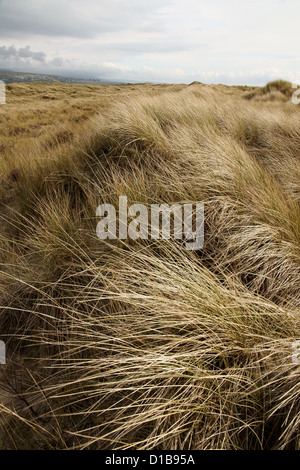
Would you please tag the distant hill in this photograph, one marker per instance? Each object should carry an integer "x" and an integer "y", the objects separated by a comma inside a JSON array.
[{"x": 8, "y": 76}]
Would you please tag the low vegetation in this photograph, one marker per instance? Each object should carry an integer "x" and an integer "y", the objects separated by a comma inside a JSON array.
[{"x": 142, "y": 344}]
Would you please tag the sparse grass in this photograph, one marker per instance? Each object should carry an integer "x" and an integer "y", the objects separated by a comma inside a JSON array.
[{"x": 144, "y": 345}]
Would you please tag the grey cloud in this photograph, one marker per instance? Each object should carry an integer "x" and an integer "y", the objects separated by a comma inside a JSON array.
[
  {"x": 27, "y": 53},
  {"x": 57, "y": 62},
  {"x": 9, "y": 53},
  {"x": 74, "y": 18}
]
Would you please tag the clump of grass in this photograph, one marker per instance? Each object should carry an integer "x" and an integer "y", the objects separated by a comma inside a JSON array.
[
  {"x": 277, "y": 90},
  {"x": 194, "y": 370}
]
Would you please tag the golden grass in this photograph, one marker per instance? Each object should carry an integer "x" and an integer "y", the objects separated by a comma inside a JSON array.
[{"x": 143, "y": 344}]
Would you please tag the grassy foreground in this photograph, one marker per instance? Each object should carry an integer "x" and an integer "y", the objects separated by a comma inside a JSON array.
[{"x": 144, "y": 345}]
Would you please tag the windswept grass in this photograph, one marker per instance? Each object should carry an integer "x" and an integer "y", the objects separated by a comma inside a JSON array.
[
  {"x": 278, "y": 90},
  {"x": 144, "y": 345}
]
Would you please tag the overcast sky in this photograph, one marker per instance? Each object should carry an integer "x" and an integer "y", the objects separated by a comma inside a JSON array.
[{"x": 214, "y": 41}]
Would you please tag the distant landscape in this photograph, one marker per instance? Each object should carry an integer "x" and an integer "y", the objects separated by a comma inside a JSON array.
[{"x": 20, "y": 77}]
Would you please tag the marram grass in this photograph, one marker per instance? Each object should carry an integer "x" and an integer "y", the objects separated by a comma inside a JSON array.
[{"x": 144, "y": 345}]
